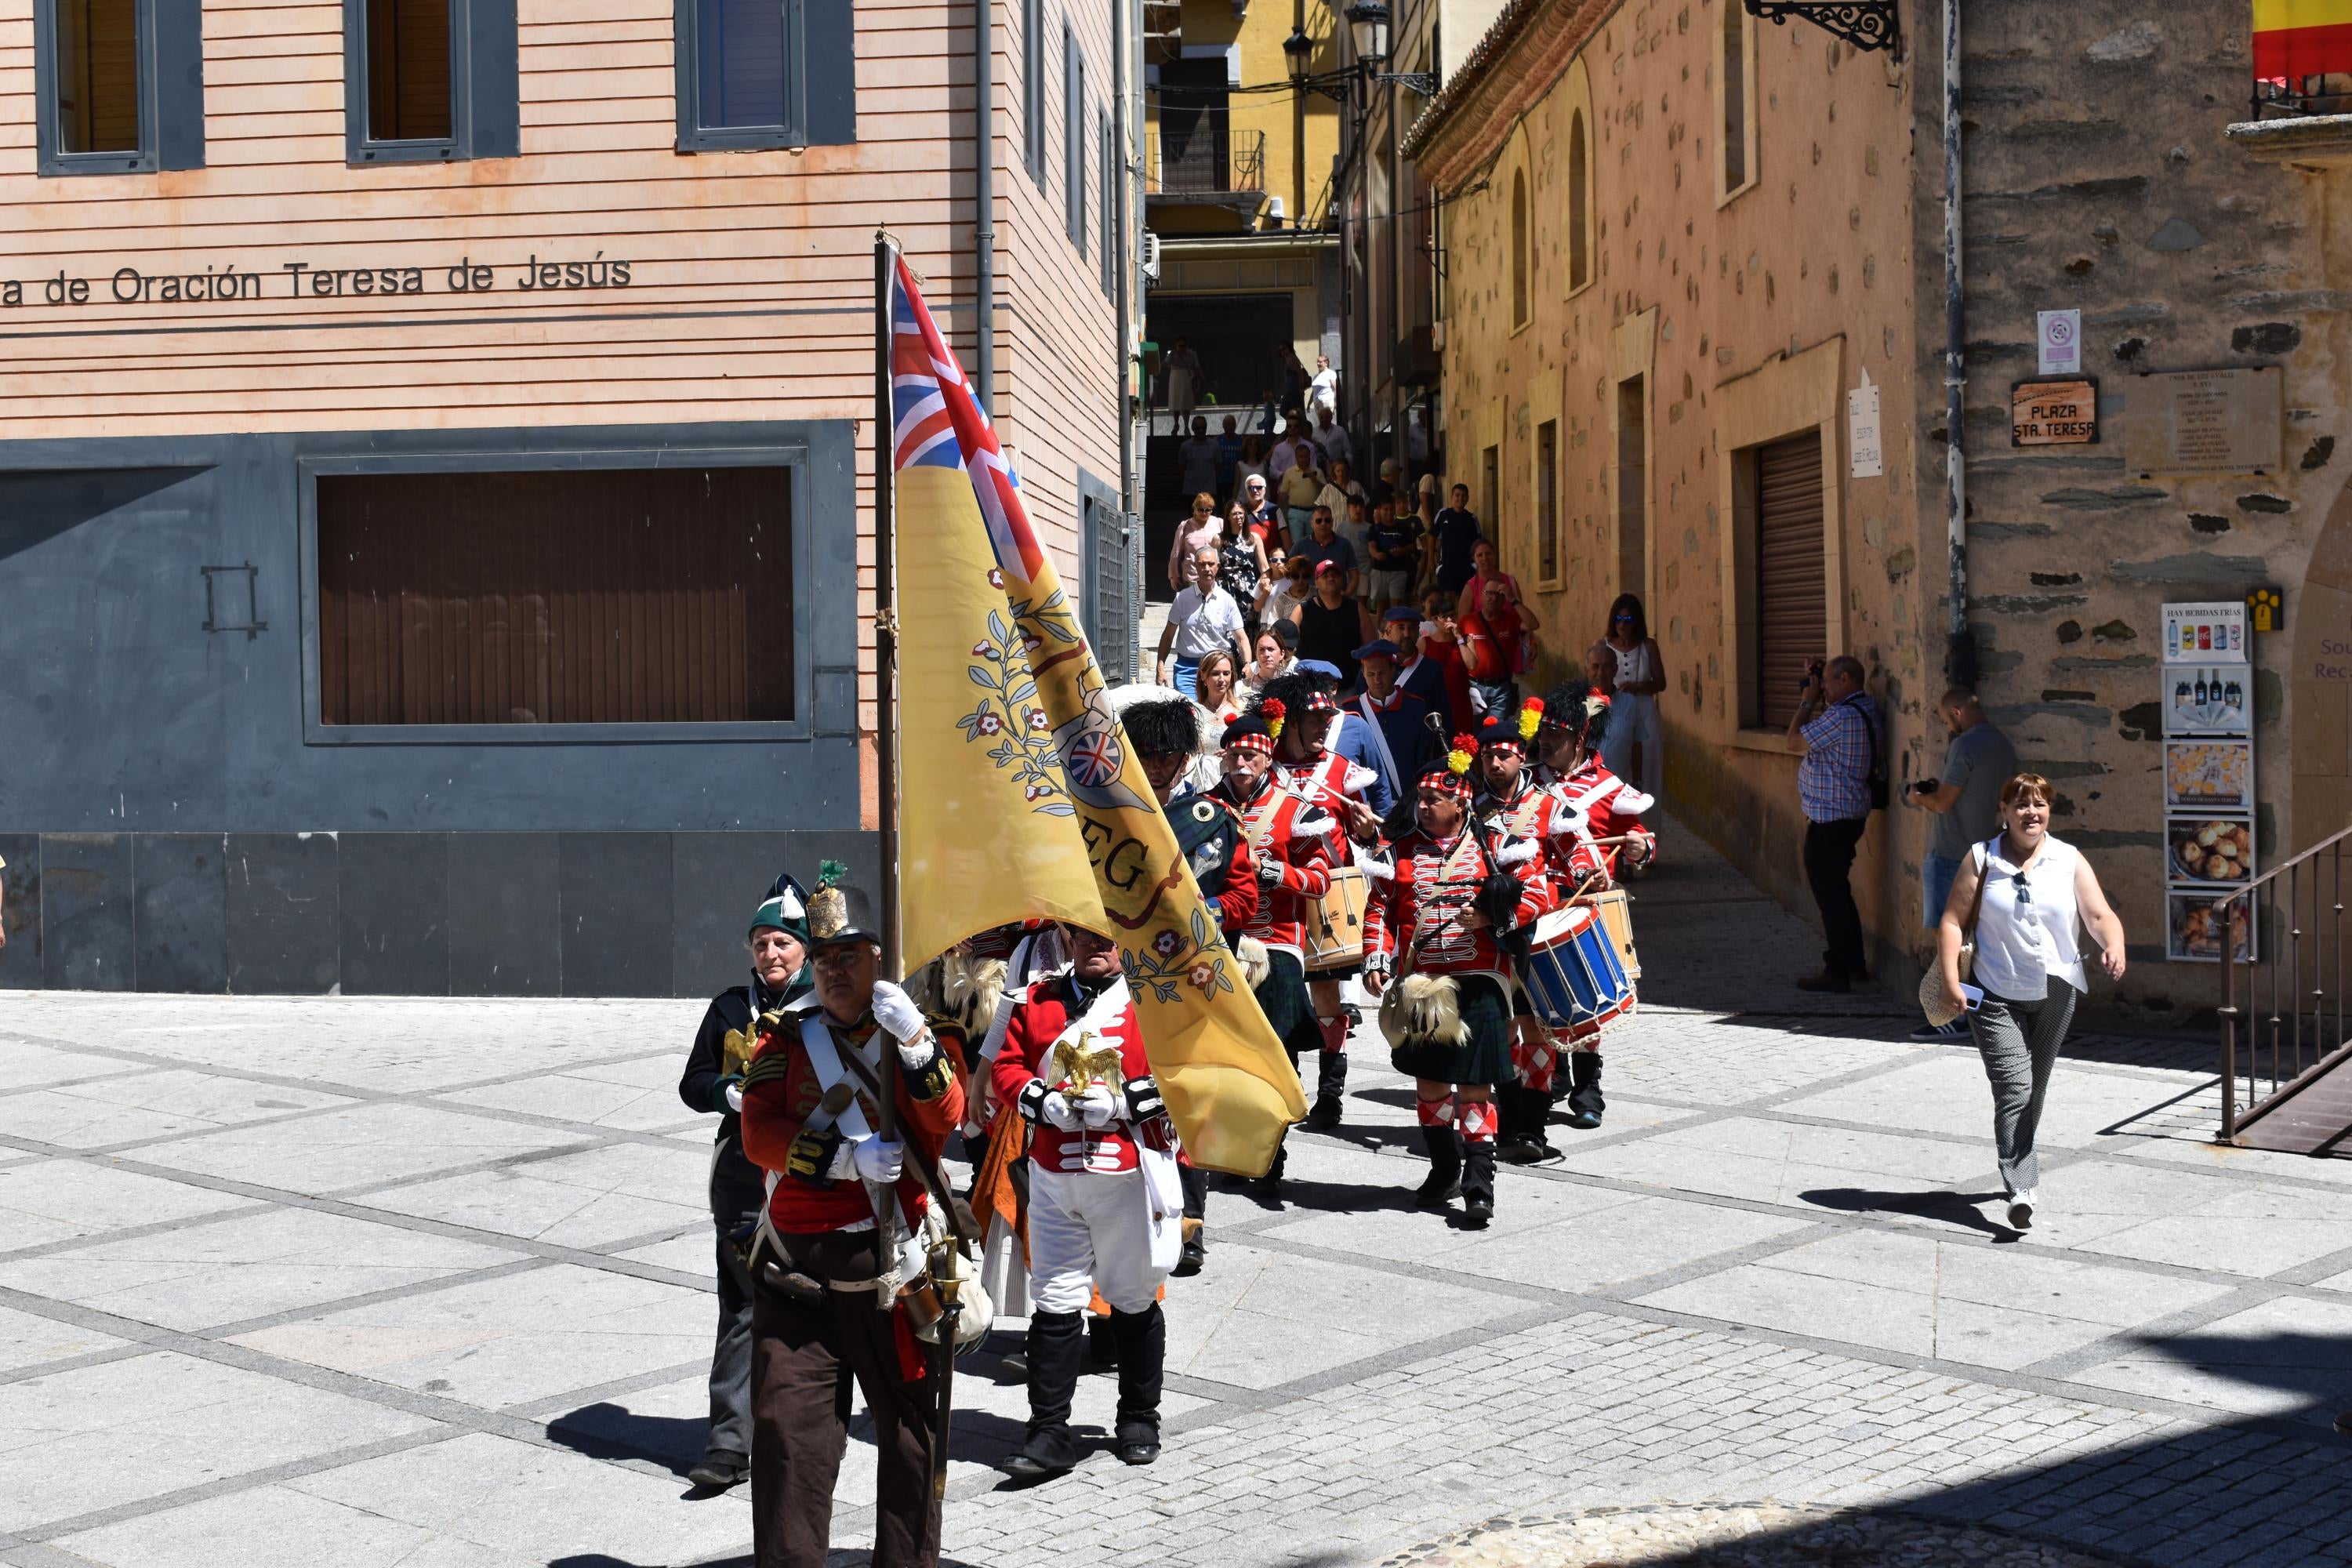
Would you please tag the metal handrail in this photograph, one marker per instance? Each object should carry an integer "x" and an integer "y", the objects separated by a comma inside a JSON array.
[
  {"x": 2252, "y": 927},
  {"x": 1214, "y": 160}
]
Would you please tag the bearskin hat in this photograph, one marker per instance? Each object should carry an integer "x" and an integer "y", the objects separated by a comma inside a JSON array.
[
  {"x": 1161, "y": 720},
  {"x": 1299, "y": 691},
  {"x": 1573, "y": 708}
]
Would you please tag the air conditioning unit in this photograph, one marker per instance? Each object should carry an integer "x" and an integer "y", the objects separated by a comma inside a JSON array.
[{"x": 1150, "y": 257}]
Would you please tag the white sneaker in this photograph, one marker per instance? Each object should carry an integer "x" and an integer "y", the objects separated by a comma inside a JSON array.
[{"x": 2020, "y": 1210}]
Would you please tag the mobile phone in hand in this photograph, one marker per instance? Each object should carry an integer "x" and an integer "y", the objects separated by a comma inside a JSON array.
[
  {"x": 1925, "y": 786},
  {"x": 1971, "y": 994}
]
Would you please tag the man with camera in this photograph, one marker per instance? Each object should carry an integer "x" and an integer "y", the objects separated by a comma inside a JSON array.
[{"x": 1839, "y": 781}]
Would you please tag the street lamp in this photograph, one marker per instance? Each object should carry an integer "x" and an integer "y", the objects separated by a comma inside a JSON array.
[
  {"x": 1298, "y": 51},
  {"x": 1367, "y": 24}
]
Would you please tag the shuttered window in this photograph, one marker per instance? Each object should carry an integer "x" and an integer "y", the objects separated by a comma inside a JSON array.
[
  {"x": 598, "y": 596},
  {"x": 429, "y": 81},
  {"x": 754, "y": 75},
  {"x": 117, "y": 86},
  {"x": 1792, "y": 621},
  {"x": 409, "y": 87}
]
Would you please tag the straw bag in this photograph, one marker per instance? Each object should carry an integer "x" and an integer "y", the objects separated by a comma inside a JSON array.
[{"x": 1931, "y": 985}]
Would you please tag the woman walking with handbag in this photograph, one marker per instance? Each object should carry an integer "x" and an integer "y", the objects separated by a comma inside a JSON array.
[{"x": 2009, "y": 936}]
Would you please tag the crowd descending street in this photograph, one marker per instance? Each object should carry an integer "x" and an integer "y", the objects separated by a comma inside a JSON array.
[{"x": 335, "y": 1280}]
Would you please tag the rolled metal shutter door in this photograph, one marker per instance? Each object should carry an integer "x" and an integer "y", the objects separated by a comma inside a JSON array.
[{"x": 1791, "y": 587}]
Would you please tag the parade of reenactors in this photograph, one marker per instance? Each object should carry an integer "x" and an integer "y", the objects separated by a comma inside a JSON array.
[{"x": 1477, "y": 932}]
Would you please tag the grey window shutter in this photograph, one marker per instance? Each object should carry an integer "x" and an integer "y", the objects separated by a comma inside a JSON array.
[
  {"x": 179, "y": 84},
  {"x": 830, "y": 38},
  {"x": 494, "y": 97}
]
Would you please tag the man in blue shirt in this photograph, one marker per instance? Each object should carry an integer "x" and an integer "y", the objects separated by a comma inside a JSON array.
[
  {"x": 1838, "y": 724},
  {"x": 1456, "y": 534}
]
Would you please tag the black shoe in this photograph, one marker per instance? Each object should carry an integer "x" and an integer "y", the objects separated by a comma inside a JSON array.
[
  {"x": 1584, "y": 1120},
  {"x": 1825, "y": 981},
  {"x": 1142, "y": 1351},
  {"x": 1438, "y": 1189},
  {"x": 1323, "y": 1117},
  {"x": 1188, "y": 1259},
  {"x": 1477, "y": 1183},
  {"x": 720, "y": 1470},
  {"x": 1523, "y": 1151},
  {"x": 1444, "y": 1183},
  {"x": 1138, "y": 1450},
  {"x": 1049, "y": 1453},
  {"x": 1477, "y": 1210}
]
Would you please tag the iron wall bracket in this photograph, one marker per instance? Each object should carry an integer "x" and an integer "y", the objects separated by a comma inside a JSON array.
[{"x": 1864, "y": 24}]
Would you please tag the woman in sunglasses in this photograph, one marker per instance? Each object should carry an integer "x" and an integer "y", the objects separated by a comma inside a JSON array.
[
  {"x": 2023, "y": 898},
  {"x": 1636, "y": 750}
]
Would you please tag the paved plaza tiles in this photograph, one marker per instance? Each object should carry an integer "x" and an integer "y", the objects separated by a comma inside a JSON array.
[{"x": 374, "y": 1282}]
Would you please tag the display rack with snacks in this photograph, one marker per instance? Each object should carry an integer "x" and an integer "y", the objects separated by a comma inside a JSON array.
[{"x": 2207, "y": 697}]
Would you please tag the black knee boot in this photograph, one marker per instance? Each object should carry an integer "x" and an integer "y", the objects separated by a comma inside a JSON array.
[
  {"x": 1445, "y": 1182},
  {"x": 1522, "y": 1112},
  {"x": 1478, "y": 1180},
  {"x": 1142, "y": 1348},
  {"x": 1584, "y": 1102},
  {"x": 1330, "y": 1091},
  {"x": 1056, "y": 1343},
  {"x": 1195, "y": 1183}
]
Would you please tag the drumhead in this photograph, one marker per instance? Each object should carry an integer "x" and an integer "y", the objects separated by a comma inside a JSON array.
[{"x": 1562, "y": 924}]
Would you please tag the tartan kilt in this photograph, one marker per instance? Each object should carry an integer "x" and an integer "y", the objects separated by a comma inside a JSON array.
[
  {"x": 1289, "y": 1010},
  {"x": 1483, "y": 1058}
]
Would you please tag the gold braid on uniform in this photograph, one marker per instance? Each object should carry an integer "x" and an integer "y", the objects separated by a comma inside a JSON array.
[
  {"x": 932, "y": 1080},
  {"x": 768, "y": 1066}
]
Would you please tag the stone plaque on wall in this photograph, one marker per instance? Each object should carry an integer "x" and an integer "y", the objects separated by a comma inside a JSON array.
[{"x": 2205, "y": 421}]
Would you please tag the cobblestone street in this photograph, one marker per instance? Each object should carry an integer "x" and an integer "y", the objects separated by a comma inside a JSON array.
[{"x": 363, "y": 1282}]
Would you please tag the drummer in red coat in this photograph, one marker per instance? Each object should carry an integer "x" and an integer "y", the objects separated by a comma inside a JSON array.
[
  {"x": 1105, "y": 1206},
  {"x": 1443, "y": 900},
  {"x": 1511, "y": 802},
  {"x": 1612, "y": 838}
]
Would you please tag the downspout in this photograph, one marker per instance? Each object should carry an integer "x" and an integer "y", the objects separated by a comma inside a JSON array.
[
  {"x": 983, "y": 198},
  {"x": 1960, "y": 658},
  {"x": 1399, "y": 447},
  {"x": 1124, "y": 249}
]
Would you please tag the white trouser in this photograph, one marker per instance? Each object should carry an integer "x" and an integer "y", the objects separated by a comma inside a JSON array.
[
  {"x": 1091, "y": 1229},
  {"x": 1633, "y": 718}
]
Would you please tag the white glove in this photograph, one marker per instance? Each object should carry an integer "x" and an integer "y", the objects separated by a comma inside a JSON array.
[
  {"x": 1099, "y": 1106},
  {"x": 878, "y": 1162},
  {"x": 1269, "y": 870},
  {"x": 895, "y": 1011},
  {"x": 735, "y": 1097},
  {"x": 1058, "y": 1110}
]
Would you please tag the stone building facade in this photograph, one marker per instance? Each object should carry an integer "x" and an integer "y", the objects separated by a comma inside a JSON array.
[{"x": 1679, "y": 242}]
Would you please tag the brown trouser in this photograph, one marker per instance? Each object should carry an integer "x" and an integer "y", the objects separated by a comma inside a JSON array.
[{"x": 800, "y": 1413}]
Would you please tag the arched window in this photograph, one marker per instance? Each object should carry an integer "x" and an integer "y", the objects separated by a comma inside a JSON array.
[
  {"x": 1734, "y": 67},
  {"x": 1519, "y": 248},
  {"x": 1579, "y": 205}
]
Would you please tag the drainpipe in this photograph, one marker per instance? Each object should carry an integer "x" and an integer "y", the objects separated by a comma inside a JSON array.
[
  {"x": 1123, "y": 245},
  {"x": 983, "y": 197},
  {"x": 1960, "y": 659}
]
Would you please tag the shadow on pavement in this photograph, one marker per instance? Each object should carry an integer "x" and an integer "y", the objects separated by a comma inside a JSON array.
[
  {"x": 1952, "y": 1208},
  {"x": 606, "y": 1431}
]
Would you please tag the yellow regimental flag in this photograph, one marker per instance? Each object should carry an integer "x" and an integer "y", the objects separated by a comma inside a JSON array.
[
  {"x": 1227, "y": 1083},
  {"x": 986, "y": 834}
]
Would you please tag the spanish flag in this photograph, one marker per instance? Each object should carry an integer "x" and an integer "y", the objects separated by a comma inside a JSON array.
[
  {"x": 1026, "y": 800},
  {"x": 2296, "y": 38}
]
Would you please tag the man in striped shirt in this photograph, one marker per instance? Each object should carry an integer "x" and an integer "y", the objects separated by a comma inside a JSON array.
[{"x": 1838, "y": 724}]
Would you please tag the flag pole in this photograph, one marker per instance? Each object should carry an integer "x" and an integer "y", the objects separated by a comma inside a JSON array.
[{"x": 885, "y": 621}]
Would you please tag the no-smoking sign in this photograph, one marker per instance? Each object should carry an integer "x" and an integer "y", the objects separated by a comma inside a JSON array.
[{"x": 2060, "y": 341}]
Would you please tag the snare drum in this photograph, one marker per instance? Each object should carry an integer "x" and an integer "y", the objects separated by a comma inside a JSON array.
[
  {"x": 1573, "y": 976},
  {"x": 1617, "y": 915},
  {"x": 1335, "y": 927}
]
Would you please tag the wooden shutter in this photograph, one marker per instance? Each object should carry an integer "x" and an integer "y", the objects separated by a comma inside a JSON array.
[
  {"x": 1793, "y": 622},
  {"x": 580, "y": 596}
]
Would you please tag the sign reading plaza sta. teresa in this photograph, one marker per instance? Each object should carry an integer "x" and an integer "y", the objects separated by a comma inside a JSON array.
[{"x": 301, "y": 280}]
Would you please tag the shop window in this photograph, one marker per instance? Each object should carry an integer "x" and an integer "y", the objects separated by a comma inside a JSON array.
[
  {"x": 1791, "y": 572},
  {"x": 430, "y": 82},
  {"x": 119, "y": 86},
  {"x": 1580, "y": 203},
  {"x": 1074, "y": 139},
  {"x": 763, "y": 74},
  {"x": 1519, "y": 248},
  {"x": 584, "y": 596},
  {"x": 1547, "y": 503},
  {"x": 1032, "y": 89},
  {"x": 1735, "y": 74}
]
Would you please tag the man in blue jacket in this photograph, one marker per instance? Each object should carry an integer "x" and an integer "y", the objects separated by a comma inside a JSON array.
[{"x": 1391, "y": 719}]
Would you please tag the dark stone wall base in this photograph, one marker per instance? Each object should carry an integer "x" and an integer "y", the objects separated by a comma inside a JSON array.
[{"x": 413, "y": 914}]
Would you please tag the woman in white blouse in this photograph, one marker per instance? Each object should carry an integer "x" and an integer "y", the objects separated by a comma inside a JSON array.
[{"x": 2024, "y": 897}]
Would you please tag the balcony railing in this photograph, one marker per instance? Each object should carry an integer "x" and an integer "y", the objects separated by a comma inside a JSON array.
[
  {"x": 1213, "y": 159},
  {"x": 2284, "y": 997}
]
